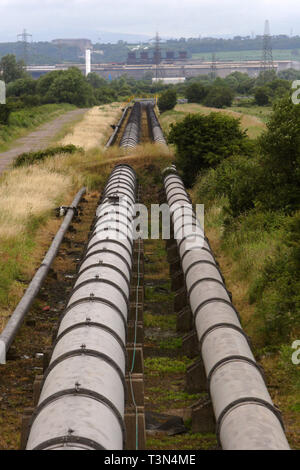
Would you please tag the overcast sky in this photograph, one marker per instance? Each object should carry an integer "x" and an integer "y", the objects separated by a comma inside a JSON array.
[{"x": 49, "y": 19}]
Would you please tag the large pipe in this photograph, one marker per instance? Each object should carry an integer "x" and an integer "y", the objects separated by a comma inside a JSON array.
[
  {"x": 14, "y": 323},
  {"x": 83, "y": 393},
  {"x": 132, "y": 133},
  {"x": 154, "y": 126},
  {"x": 245, "y": 414}
]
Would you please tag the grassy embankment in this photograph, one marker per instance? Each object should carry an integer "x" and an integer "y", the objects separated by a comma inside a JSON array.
[
  {"x": 25, "y": 120},
  {"x": 253, "y": 119},
  {"x": 244, "y": 249}
]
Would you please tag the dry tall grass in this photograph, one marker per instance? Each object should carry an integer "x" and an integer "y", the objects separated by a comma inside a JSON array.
[
  {"x": 28, "y": 196},
  {"x": 94, "y": 129}
]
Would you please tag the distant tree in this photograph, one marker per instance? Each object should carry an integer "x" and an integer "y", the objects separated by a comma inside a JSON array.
[
  {"x": 45, "y": 81},
  {"x": 95, "y": 80},
  {"x": 278, "y": 88},
  {"x": 71, "y": 87},
  {"x": 106, "y": 95},
  {"x": 167, "y": 100},
  {"x": 22, "y": 86},
  {"x": 195, "y": 92},
  {"x": 219, "y": 97},
  {"x": 262, "y": 96},
  {"x": 265, "y": 77},
  {"x": 289, "y": 74},
  {"x": 10, "y": 69}
]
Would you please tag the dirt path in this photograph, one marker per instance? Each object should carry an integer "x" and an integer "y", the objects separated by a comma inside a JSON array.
[{"x": 38, "y": 139}]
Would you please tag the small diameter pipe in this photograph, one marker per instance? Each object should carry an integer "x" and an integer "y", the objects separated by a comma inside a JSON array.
[
  {"x": 113, "y": 137},
  {"x": 14, "y": 323}
]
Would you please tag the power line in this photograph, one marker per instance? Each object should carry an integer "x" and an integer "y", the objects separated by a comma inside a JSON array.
[
  {"x": 213, "y": 68},
  {"x": 267, "y": 63},
  {"x": 157, "y": 57},
  {"x": 23, "y": 37}
]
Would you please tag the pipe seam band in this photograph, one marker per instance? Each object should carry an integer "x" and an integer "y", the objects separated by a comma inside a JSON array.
[
  {"x": 181, "y": 207},
  {"x": 205, "y": 279},
  {"x": 215, "y": 299},
  {"x": 177, "y": 202},
  {"x": 98, "y": 224},
  {"x": 182, "y": 215},
  {"x": 92, "y": 324},
  {"x": 223, "y": 325},
  {"x": 203, "y": 261},
  {"x": 116, "y": 193},
  {"x": 82, "y": 392},
  {"x": 100, "y": 300},
  {"x": 189, "y": 224},
  {"x": 104, "y": 201},
  {"x": 100, "y": 281},
  {"x": 85, "y": 352},
  {"x": 116, "y": 188},
  {"x": 180, "y": 194},
  {"x": 69, "y": 440},
  {"x": 245, "y": 401},
  {"x": 194, "y": 235},
  {"x": 196, "y": 249},
  {"x": 104, "y": 265},
  {"x": 232, "y": 358},
  {"x": 96, "y": 232},
  {"x": 130, "y": 220},
  {"x": 105, "y": 250}
]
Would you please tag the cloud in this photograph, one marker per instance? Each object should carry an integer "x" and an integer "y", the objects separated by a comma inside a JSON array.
[{"x": 47, "y": 19}]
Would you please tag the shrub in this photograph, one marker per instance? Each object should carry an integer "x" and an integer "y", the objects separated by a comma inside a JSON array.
[
  {"x": 262, "y": 96},
  {"x": 167, "y": 100},
  {"x": 280, "y": 158},
  {"x": 195, "y": 92},
  {"x": 277, "y": 290},
  {"x": 204, "y": 141},
  {"x": 33, "y": 157},
  {"x": 5, "y": 111},
  {"x": 237, "y": 179},
  {"x": 219, "y": 97}
]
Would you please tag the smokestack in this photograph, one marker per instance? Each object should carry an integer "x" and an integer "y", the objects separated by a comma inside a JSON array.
[{"x": 88, "y": 67}]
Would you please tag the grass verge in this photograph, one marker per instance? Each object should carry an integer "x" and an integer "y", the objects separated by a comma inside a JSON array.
[{"x": 25, "y": 120}]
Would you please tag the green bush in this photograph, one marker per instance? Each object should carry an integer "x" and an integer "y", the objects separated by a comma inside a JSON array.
[
  {"x": 277, "y": 289},
  {"x": 195, "y": 93},
  {"x": 5, "y": 111},
  {"x": 280, "y": 158},
  {"x": 219, "y": 97},
  {"x": 71, "y": 87},
  {"x": 167, "y": 100},
  {"x": 262, "y": 96},
  {"x": 33, "y": 157},
  {"x": 204, "y": 141},
  {"x": 236, "y": 179}
]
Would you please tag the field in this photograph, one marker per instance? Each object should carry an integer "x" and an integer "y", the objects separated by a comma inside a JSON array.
[
  {"x": 278, "y": 54},
  {"x": 252, "y": 119}
]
